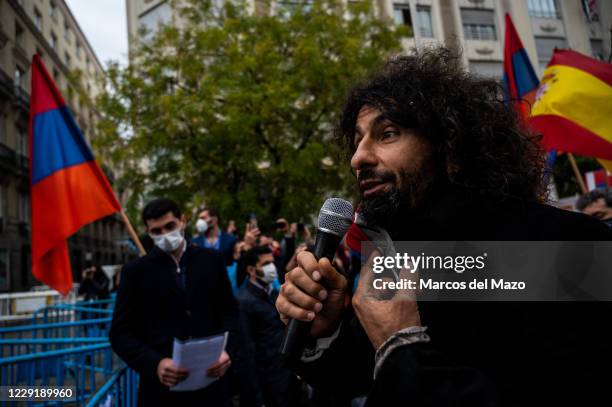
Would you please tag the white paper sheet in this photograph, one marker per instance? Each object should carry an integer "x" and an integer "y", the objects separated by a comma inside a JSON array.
[{"x": 197, "y": 355}]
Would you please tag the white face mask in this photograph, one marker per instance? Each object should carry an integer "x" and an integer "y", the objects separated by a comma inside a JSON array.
[
  {"x": 201, "y": 226},
  {"x": 170, "y": 241},
  {"x": 268, "y": 273}
]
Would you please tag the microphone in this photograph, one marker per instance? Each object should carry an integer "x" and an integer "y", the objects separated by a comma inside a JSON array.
[{"x": 335, "y": 218}]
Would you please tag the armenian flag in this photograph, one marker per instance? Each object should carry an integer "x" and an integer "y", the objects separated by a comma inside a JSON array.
[
  {"x": 68, "y": 187},
  {"x": 520, "y": 81},
  {"x": 573, "y": 107}
]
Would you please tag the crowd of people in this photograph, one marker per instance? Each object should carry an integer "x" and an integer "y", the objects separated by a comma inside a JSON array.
[
  {"x": 249, "y": 269},
  {"x": 438, "y": 156}
]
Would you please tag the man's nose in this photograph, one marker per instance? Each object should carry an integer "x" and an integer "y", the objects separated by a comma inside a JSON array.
[{"x": 364, "y": 155}]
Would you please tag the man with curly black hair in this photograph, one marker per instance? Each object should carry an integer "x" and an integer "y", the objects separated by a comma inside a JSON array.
[{"x": 439, "y": 155}]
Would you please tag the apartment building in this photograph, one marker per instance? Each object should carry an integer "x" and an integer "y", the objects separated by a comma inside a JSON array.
[{"x": 46, "y": 27}]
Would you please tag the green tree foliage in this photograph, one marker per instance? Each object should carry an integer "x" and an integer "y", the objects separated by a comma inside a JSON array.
[{"x": 237, "y": 107}]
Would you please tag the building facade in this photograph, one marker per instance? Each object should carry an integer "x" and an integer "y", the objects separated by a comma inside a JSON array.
[
  {"x": 474, "y": 26},
  {"x": 46, "y": 27},
  {"x": 477, "y": 28}
]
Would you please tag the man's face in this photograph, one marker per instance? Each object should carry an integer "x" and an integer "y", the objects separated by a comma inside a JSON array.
[
  {"x": 262, "y": 261},
  {"x": 210, "y": 220},
  {"x": 393, "y": 165},
  {"x": 598, "y": 209},
  {"x": 164, "y": 224}
]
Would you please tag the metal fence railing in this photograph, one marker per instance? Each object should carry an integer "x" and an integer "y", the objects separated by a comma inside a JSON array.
[
  {"x": 66, "y": 344},
  {"x": 120, "y": 390}
]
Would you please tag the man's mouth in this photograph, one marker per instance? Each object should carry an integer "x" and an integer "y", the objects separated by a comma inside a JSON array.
[{"x": 370, "y": 188}]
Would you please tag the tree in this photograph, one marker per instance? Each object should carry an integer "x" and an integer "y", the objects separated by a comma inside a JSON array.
[{"x": 237, "y": 109}]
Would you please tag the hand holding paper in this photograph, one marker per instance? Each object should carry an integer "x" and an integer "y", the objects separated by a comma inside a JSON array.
[{"x": 205, "y": 359}]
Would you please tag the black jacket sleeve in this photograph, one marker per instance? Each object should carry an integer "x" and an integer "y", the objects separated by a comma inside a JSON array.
[
  {"x": 418, "y": 375},
  {"x": 123, "y": 333},
  {"x": 343, "y": 371}
]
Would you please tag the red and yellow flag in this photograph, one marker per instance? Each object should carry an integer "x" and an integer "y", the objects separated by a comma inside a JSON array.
[{"x": 573, "y": 107}]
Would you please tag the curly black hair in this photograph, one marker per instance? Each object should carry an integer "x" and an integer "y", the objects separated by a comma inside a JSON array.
[{"x": 478, "y": 139}]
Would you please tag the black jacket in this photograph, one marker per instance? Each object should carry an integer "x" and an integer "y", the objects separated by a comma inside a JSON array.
[
  {"x": 264, "y": 374},
  {"x": 482, "y": 354},
  {"x": 152, "y": 309}
]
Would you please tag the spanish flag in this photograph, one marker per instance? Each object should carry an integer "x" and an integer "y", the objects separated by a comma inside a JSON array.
[
  {"x": 573, "y": 107},
  {"x": 68, "y": 188}
]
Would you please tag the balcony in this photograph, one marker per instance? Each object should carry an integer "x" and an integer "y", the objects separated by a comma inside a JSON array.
[
  {"x": 17, "y": 94},
  {"x": 14, "y": 163}
]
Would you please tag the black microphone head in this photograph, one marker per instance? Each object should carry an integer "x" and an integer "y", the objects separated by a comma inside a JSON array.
[{"x": 335, "y": 216}]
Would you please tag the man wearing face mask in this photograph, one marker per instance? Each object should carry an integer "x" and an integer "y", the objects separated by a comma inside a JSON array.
[
  {"x": 211, "y": 236},
  {"x": 175, "y": 291},
  {"x": 266, "y": 379}
]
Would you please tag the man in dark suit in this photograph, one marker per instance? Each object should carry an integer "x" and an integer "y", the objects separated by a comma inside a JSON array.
[
  {"x": 438, "y": 155},
  {"x": 211, "y": 235},
  {"x": 175, "y": 291},
  {"x": 266, "y": 378}
]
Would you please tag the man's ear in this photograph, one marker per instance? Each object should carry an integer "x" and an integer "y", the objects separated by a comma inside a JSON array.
[
  {"x": 184, "y": 219},
  {"x": 251, "y": 270}
]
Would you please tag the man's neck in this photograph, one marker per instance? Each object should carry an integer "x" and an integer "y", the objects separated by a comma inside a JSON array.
[
  {"x": 259, "y": 283},
  {"x": 178, "y": 253},
  {"x": 213, "y": 232}
]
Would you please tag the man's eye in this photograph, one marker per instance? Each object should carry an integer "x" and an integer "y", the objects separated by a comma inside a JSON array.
[{"x": 389, "y": 133}]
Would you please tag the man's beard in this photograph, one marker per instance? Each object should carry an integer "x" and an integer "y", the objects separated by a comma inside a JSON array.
[{"x": 384, "y": 208}]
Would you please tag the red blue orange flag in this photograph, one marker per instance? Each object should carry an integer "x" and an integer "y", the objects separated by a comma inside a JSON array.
[
  {"x": 68, "y": 187},
  {"x": 520, "y": 81}
]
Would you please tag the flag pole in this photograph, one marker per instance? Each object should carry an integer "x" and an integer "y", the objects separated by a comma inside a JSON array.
[
  {"x": 572, "y": 160},
  {"x": 132, "y": 233}
]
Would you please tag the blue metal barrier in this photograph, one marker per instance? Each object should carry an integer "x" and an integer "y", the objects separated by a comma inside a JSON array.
[
  {"x": 60, "y": 329},
  {"x": 120, "y": 390},
  {"x": 82, "y": 367},
  {"x": 67, "y": 345}
]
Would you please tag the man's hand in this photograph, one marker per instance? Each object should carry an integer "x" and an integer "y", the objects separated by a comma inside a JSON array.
[
  {"x": 384, "y": 312},
  {"x": 218, "y": 369},
  {"x": 169, "y": 374},
  {"x": 313, "y": 291},
  {"x": 250, "y": 236}
]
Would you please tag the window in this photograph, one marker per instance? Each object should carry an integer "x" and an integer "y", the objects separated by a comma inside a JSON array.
[
  {"x": 38, "y": 19},
  {"x": 2, "y": 133},
  {"x": 401, "y": 15},
  {"x": 154, "y": 18},
  {"x": 478, "y": 24},
  {"x": 67, "y": 60},
  {"x": 78, "y": 50},
  {"x": 22, "y": 141},
  {"x": 67, "y": 33},
  {"x": 597, "y": 50},
  {"x": 285, "y": 8},
  {"x": 424, "y": 21},
  {"x": 53, "y": 11},
  {"x": 19, "y": 35},
  {"x": 546, "y": 46},
  {"x": 543, "y": 9},
  {"x": 24, "y": 208},
  {"x": 53, "y": 41},
  {"x": 489, "y": 69},
  {"x": 19, "y": 76},
  {"x": 590, "y": 10},
  {"x": 4, "y": 269}
]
